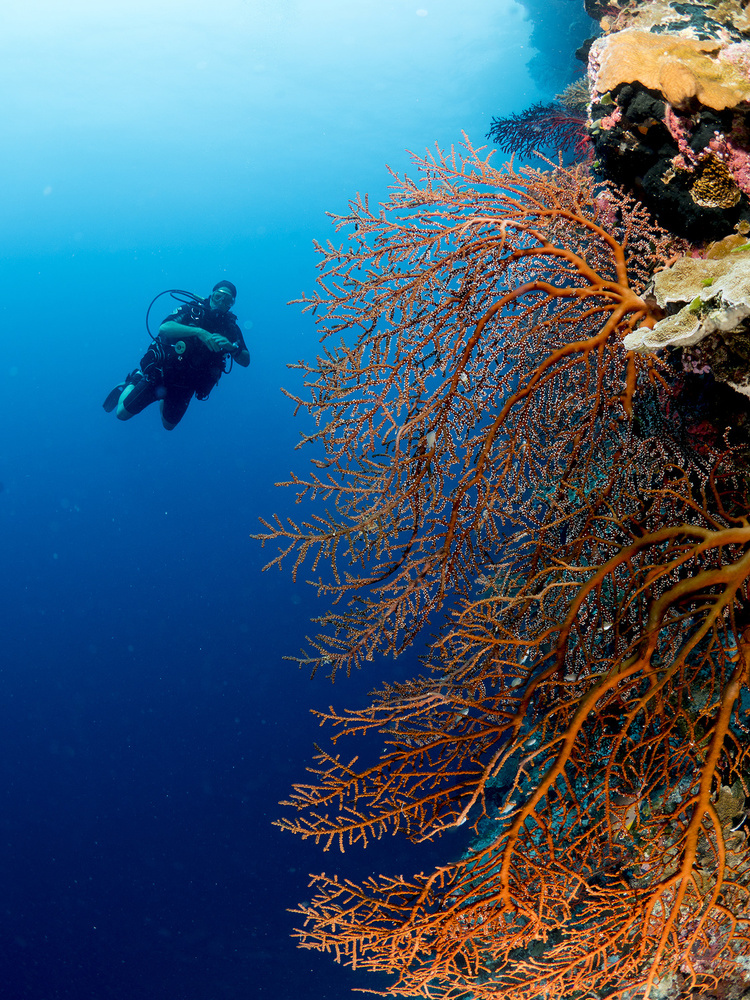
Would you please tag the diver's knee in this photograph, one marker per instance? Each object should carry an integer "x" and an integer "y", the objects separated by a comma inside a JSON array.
[{"x": 164, "y": 422}]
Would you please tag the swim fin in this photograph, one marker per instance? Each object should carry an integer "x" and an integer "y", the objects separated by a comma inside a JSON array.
[{"x": 113, "y": 398}]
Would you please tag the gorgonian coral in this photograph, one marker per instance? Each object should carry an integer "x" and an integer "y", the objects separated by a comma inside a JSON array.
[
  {"x": 484, "y": 437},
  {"x": 481, "y": 308},
  {"x": 543, "y": 126}
]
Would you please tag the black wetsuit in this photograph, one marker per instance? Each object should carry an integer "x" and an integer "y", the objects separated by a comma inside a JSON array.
[{"x": 174, "y": 373}]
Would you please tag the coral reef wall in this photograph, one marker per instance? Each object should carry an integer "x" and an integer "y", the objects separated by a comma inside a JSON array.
[
  {"x": 670, "y": 86},
  {"x": 533, "y": 403}
]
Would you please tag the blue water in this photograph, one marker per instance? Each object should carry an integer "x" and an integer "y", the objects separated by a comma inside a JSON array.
[{"x": 148, "y": 724}]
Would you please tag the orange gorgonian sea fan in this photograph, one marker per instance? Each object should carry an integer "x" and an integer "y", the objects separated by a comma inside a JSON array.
[
  {"x": 484, "y": 435},
  {"x": 587, "y": 715},
  {"x": 472, "y": 342}
]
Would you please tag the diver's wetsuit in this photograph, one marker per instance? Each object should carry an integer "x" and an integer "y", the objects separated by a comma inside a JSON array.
[{"x": 175, "y": 375}]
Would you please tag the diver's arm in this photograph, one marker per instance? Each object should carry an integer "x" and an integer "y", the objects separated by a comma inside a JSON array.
[
  {"x": 172, "y": 331},
  {"x": 239, "y": 353}
]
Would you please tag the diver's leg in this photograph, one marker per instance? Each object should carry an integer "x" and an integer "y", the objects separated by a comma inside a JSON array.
[
  {"x": 165, "y": 423},
  {"x": 114, "y": 395},
  {"x": 122, "y": 413},
  {"x": 136, "y": 397},
  {"x": 173, "y": 406}
]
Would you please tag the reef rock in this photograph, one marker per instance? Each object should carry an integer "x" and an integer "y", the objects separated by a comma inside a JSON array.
[
  {"x": 724, "y": 21},
  {"x": 670, "y": 86}
]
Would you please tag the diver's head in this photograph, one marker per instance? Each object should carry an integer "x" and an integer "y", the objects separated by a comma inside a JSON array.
[{"x": 223, "y": 295}]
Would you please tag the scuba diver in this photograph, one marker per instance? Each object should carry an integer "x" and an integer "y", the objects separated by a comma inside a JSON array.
[{"x": 186, "y": 358}]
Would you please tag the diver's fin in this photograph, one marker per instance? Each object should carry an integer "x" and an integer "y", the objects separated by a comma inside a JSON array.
[
  {"x": 113, "y": 398},
  {"x": 132, "y": 378}
]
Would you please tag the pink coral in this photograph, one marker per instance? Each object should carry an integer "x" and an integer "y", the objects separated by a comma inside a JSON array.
[
  {"x": 611, "y": 120},
  {"x": 735, "y": 155},
  {"x": 607, "y": 209},
  {"x": 695, "y": 363},
  {"x": 679, "y": 128}
]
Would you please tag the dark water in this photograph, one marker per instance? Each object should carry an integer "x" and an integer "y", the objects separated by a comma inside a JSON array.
[{"x": 149, "y": 725}]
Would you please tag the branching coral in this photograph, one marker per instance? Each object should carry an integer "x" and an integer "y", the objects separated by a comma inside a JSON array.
[
  {"x": 584, "y": 716},
  {"x": 519, "y": 418},
  {"x": 487, "y": 307},
  {"x": 488, "y": 437},
  {"x": 543, "y": 126},
  {"x": 576, "y": 97}
]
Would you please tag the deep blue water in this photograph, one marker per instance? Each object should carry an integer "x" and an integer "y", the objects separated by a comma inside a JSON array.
[{"x": 149, "y": 725}]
